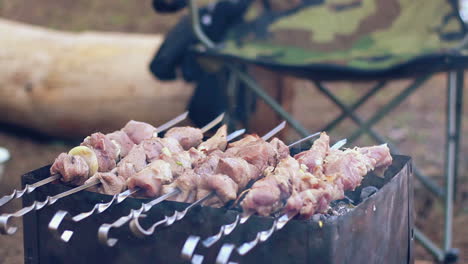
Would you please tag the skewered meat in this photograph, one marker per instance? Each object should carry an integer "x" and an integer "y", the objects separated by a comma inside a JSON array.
[
  {"x": 154, "y": 147},
  {"x": 217, "y": 141},
  {"x": 224, "y": 187},
  {"x": 100, "y": 153},
  {"x": 196, "y": 154},
  {"x": 267, "y": 194},
  {"x": 294, "y": 203},
  {"x": 179, "y": 161},
  {"x": 150, "y": 179},
  {"x": 280, "y": 147},
  {"x": 317, "y": 200},
  {"x": 248, "y": 160},
  {"x": 239, "y": 170},
  {"x": 187, "y": 184},
  {"x": 347, "y": 168},
  {"x": 237, "y": 164},
  {"x": 106, "y": 151},
  {"x": 134, "y": 162},
  {"x": 74, "y": 169},
  {"x": 378, "y": 155},
  {"x": 344, "y": 170},
  {"x": 245, "y": 140},
  {"x": 259, "y": 153},
  {"x": 139, "y": 131},
  {"x": 314, "y": 157},
  {"x": 123, "y": 142},
  {"x": 110, "y": 183},
  {"x": 188, "y": 137},
  {"x": 189, "y": 181}
]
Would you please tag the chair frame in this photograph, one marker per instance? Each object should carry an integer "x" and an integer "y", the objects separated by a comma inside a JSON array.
[{"x": 444, "y": 254}]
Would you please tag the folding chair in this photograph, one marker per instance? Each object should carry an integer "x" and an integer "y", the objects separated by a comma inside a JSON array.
[{"x": 365, "y": 40}]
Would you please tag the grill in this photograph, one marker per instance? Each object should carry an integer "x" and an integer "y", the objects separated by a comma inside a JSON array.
[{"x": 378, "y": 230}]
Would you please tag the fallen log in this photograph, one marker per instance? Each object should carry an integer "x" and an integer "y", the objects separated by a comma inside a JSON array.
[{"x": 72, "y": 84}]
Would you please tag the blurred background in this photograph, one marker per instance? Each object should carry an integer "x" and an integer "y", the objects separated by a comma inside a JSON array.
[{"x": 68, "y": 68}]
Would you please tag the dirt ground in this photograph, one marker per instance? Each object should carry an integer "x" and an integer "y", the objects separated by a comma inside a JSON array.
[{"x": 417, "y": 126}]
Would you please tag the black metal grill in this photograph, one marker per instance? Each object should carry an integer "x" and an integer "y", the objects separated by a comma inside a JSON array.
[{"x": 378, "y": 230}]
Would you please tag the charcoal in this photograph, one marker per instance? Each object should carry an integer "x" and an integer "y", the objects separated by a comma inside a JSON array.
[{"x": 319, "y": 217}]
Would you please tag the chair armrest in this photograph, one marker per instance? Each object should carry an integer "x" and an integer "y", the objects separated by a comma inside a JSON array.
[{"x": 196, "y": 26}]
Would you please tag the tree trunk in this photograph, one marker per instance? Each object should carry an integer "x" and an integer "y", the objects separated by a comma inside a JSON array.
[{"x": 72, "y": 84}]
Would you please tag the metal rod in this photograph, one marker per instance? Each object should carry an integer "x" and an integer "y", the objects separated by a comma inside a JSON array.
[
  {"x": 389, "y": 107},
  {"x": 6, "y": 229},
  {"x": 58, "y": 218},
  {"x": 429, "y": 245},
  {"x": 426, "y": 181},
  {"x": 303, "y": 139},
  {"x": 27, "y": 189},
  {"x": 104, "y": 229},
  {"x": 172, "y": 122},
  {"x": 197, "y": 30},
  {"x": 458, "y": 125},
  {"x": 235, "y": 134},
  {"x": 140, "y": 232},
  {"x": 226, "y": 230},
  {"x": 450, "y": 158},
  {"x": 213, "y": 123},
  {"x": 263, "y": 236},
  {"x": 269, "y": 100},
  {"x": 355, "y": 106},
  {"x": 274, "y": 131}
]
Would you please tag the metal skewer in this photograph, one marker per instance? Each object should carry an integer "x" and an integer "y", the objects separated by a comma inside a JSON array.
[
  {"x": 171, "y": 123},
  {"x": 192, "y": 241},
  {"x": 167, "y": 221},
  {"x": 241, "y": 219},
  {"x": 139, "y": 231},
  {"x": 30, "y": 188},
  {"x": 61, "y": 215},
  {"x": 6, "y": 229},
  {"x": 104, "y": 229},
  {"x": 262, "y": 236}
]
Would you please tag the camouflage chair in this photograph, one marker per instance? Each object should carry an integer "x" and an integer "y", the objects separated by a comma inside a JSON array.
[{"x": 345, "y": 40}]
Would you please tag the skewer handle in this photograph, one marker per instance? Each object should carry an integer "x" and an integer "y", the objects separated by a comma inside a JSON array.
[
  {"x": 27, "y": 189},
  {"x": 263, "y": 236},
  {"x": 139, "y": 231},
  {"x": 50, "y": 200},
  {"x": 61, "y": 215},
  {"x": 104, "y": 229}
]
